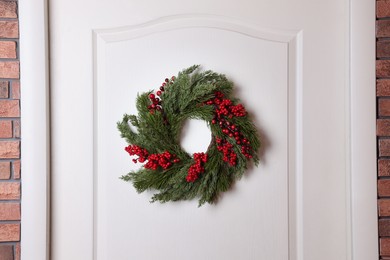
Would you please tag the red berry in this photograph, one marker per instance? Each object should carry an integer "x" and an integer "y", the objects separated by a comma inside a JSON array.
[
  {"x": 152, "y": 96},
  {"x": 158, "y": 93},
  {"x": 197, "y": 167}
]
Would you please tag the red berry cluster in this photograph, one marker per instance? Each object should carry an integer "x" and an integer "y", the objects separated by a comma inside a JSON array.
[
  {"x": 165, "y": 159},
  {"x": 156, "y": 103},
  {"x": 196, "y": 168},
  {"x": 227, "y": 149},
  {"x": 137, "y": 150},
  {"x": 232, "y": 131},
  {"x": 224, "y": 109},
  {"x": 238, "y": 110}
]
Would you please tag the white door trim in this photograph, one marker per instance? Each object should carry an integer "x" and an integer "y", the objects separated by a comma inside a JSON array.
[
  {"x": 362, "y": 125},
  {"x": 35, "y": 230},
  {"x": 35, "y": 99}
]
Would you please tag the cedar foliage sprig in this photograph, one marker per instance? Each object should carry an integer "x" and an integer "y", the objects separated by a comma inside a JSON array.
[{"x": 193, "y": 94}]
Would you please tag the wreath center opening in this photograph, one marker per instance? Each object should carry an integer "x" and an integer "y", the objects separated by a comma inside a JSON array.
[{"x": 195, "y": 136}]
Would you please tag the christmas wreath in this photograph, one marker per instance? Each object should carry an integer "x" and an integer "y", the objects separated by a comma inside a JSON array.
[{"x": 169, "y": 169}]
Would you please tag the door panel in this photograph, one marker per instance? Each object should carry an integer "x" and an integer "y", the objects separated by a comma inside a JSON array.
[
  {"x": 260, "y": 70},
  {"x": 289, "y": 68}
]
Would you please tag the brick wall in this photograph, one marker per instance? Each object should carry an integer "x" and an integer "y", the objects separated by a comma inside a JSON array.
[
  {"x": 9, "y": 132},
  {"x": 383, "y": 123}
]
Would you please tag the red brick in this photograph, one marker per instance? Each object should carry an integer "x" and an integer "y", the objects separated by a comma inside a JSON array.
[
  {"x": 9, "y": 149},
  {"x": 9, "y": 190},
  {"x": 8, "y": 10},
  {"x": 6, "y": 252},
  {"x": 5, "y": 170},
  {"x": 9, "y": 69},
  {"x": 384, "y": 147},
  {"x": 5, "y": 129},
  {"x": 384, "y": 167},
  {"x": 16, "y": 168},
  {"x": 384, "y": 107},
  {"x": 384, "y": 227},
  {"x": 383, "y": 127},
  {"x": 7, "y": 49},
  {"x": 383, "y": 28},
  {"x": 383, "y": 68},
  {"x": 384, "y": 188},
  {"x": 9, "y": 29},
  {"x": 383, "y": 87},
  {"x": 9, "y": 232},
  {"x": 384, "y": 207},
  {"x": 384, "y": 245},
  {"x": 9, "y": 108},
  {"x": 382, "y": 8},
  {"x": 17, "y": 128},
  {"x": 17, "y": 251},
  {"x": 15, "y": 89},
  {"x": 383, "y": 49},
  {"x": 9, "y": 211},
  {"x": 4, "y": 89}
]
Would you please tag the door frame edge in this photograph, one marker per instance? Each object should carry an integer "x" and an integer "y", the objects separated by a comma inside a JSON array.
[
  {"x": 361, "y": 133},
  {"x": 35, "y": 128}
]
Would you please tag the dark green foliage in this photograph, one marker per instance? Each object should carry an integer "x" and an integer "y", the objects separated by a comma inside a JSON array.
[{"x": 160, "y": 131}]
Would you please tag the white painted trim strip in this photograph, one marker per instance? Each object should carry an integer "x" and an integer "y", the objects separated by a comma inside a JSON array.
[
  {"x": 363, "y": 131},
  {"x": 35, "y": 146}
]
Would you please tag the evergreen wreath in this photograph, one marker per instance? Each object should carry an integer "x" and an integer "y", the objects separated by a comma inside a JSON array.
[{"x": 177, "y": 175}]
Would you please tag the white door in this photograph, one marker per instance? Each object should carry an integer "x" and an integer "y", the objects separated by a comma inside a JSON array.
[{"x": 289, "y": 61}]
